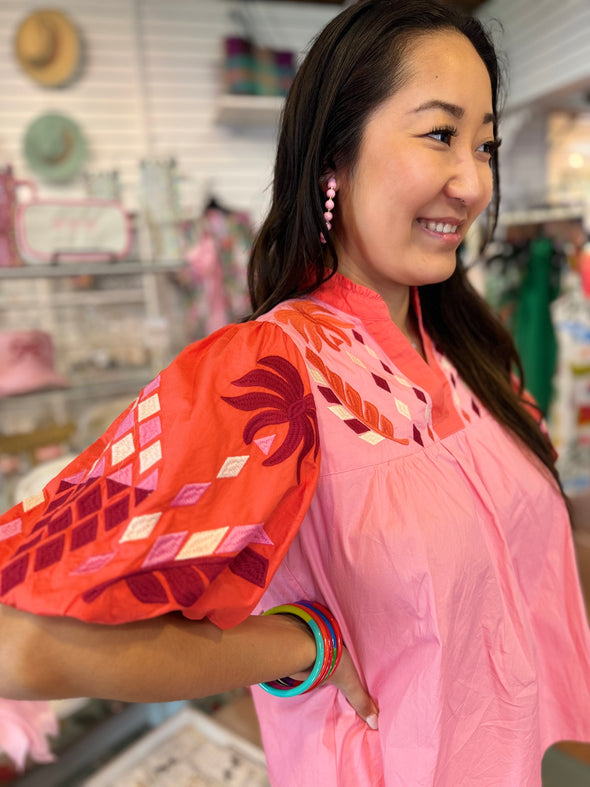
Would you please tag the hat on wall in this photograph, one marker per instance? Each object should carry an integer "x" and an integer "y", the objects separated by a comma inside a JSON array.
[
  {"x": 27, "y": 363},
  {"x": 47, "y": 46},
  {"x": 54, "y": 147}
]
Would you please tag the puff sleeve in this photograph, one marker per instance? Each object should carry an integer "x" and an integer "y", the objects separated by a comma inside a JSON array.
[{"x": 190, "y": 499}]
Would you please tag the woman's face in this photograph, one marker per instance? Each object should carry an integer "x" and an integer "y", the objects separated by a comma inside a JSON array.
[{"x": 423, "y": 171}]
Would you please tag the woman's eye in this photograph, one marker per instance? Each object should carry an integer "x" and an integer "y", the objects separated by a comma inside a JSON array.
[
  {"x": 443, "y": 135},
  {"x": 489, "y": 147}
]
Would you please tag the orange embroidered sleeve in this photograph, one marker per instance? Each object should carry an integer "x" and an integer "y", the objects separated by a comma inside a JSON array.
[{"x": 188, "y": 502}]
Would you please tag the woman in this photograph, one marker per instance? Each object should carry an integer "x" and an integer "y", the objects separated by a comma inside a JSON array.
[{"x": 361, "y": 444}]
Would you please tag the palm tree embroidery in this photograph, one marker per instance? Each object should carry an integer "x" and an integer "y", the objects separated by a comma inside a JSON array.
[
  {"x": 315, "y": 324},
  {"x": 283, "y": 401}
]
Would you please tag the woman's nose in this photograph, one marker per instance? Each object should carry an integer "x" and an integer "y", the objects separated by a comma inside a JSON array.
[{"x": 470, "y": 181}]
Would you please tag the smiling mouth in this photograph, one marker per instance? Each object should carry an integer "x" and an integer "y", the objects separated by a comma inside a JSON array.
[{"x": 443, "y": 228}]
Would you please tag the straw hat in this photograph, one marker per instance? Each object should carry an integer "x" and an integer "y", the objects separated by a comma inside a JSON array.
[
  {"x": 54, "y": 147},
  {"x": 47, "y": 46}
]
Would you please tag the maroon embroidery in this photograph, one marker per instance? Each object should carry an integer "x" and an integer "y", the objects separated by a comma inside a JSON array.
[
  {"x": 14, "y": 574},
  {"x": 33, "y": 542},
  {"x": 287, "y": 404},
  {"x": 381, "y": 382},
  {"x": 183, "y": 580},
  {"x": 58, "y": 502},
  {"x": 141, "y": 494},
  {"x": 59, "y": 523},
  {"x": 249, "y": 565},
  {"x": 420, "y": 395},
  {"x": 147, "y": 589},
  {"x": 116, "y": 513},
  {"x": 416, "y": 435},
  {"x": 89, "y": 503},
  {"x": 328, "y": 394},
  {"x": 115, "y": 487},
  {"x": 185, "y": 584},
  {"x": 49, "y": 552},
  {"x": 84, "y": 533}
]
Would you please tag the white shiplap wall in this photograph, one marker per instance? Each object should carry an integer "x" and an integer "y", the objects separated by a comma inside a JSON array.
[
  {"x": 547, "y": 43},
  {"x": 152, "y": 74}
]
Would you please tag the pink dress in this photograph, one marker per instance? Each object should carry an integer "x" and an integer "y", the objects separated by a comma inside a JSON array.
[
  {"x": 446, "y": 555},
  {"x": 315, "y": 454}
]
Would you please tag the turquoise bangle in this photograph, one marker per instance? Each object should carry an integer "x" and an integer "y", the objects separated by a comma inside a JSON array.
[{"x": 300, "y": 688}]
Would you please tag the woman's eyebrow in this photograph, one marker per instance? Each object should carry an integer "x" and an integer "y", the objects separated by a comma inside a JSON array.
[{"x": 451, "y": 109}]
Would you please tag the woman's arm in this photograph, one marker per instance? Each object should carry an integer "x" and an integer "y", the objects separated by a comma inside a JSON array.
[{"x": 163, "y": 659}]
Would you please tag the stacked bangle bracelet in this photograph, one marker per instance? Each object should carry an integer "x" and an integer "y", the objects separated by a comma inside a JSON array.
[{"x": 328, "y": 640}]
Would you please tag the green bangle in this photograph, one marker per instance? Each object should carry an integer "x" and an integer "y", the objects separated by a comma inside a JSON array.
[{"x": 275, "y": 687}]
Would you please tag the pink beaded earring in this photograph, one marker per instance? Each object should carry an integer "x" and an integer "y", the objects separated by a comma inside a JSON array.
[{"x": 328, "y": 215}]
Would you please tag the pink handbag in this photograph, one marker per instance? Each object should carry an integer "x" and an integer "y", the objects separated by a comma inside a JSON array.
[{"x": 85, "y": 230}]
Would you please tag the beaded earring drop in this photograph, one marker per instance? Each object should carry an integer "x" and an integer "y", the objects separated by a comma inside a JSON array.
[{"x": 328, "y": 215}]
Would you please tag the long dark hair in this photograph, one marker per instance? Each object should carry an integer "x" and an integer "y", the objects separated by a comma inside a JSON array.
[{"x": 355, "y": 64}]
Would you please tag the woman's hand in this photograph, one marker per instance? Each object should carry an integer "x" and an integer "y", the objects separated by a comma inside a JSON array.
[{"x": 347, "y": 680}]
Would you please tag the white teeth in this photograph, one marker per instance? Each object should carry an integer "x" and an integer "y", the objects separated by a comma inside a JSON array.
[{"x": 440, "y": 227}]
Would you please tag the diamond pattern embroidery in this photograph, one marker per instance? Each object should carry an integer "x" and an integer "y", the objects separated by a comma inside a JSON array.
[
  {"x": 165, "y": 548},
  {"x": 190, "y": 494},
  {"x": 204, "y": 543},
  {"x": 11, "y": 529},
  {"x": 403, "y": 409},
  {"x": 149, "y": 430},
  {"x": 356, "y": 360},
  {"x": 148, "y": 407},
  {"x": 94, "y": 563},
  {"x": 149, "y": 456},
  {"x": 122, "y": 449},
  {"x": 140, "y": 527},
  {"x": 33, "y": 501},
  {"x": 14, "y": 574},
  {"x": 232, "y": 466},
  {"x": 49, "y": 553},
  {"x": 126, "y": 425},
  {"x": 241, "y": 536}
]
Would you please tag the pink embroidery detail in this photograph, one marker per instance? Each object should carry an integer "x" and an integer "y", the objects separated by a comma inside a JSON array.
[
  {"x": 150, "y": 388},
  {"x": 148, "y": 430},
  {"x": 190, "y": 494},
  {"x": 94, "y": 563},
  {"x": 165, "y": 548},
  {"x": 150, "y": 482},
  {"x": 242, "y": 535},
  {"x": 264, "y": 443},
  {"x": 11, "y": 529},
  {"x": 123, "y": 476},
  {"x": 98, "y": 470},
  {"x": 125, "y": 425}
]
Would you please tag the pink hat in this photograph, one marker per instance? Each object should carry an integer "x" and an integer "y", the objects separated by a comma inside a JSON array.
[{"x": 27, "y": 363}]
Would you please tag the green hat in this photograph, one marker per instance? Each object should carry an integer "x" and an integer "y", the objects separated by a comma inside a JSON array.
[{"x": 54, "y": 147}]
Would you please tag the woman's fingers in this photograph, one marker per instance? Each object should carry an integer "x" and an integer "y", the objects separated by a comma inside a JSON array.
[{"x": 346, "y": 679}]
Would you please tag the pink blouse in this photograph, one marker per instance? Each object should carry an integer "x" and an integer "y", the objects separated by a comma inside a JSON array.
[{"x": 445, "y": 552}]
